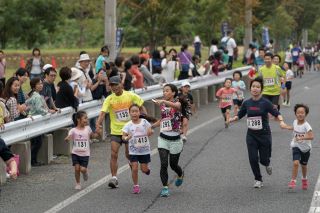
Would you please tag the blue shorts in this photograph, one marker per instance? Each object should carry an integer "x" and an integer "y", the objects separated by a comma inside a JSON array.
[
  {"x": 83, "y": 161},
  {"x": 140, "y": 158},
  {"x": 303, "y": 157}
]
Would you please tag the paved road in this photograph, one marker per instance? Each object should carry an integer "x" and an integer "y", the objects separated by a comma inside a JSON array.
[{"x": 218, "y": 177}]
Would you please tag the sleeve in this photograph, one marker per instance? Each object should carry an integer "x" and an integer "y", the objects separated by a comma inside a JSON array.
[
  {"x": 308, "y": 127},
  {"x": 271, "y": 109},
  {"x": 89, "y": 130},
  {"x": 126, "y": 127},
  {"x": 219, "y": 93},
  {"x": 137, "y": 99},
  {"x": 148, "y": 125},
  {"x": 242, "y": 86},
  {"x": 106, "y": 105},
  {"x": 243, "y": 110},
  {"x": 233, "y": 43},
  {"x": 164, "y": 63},
  {"x": 70, "y": 133}
]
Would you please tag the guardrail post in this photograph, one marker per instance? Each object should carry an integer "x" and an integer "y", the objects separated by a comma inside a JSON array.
[
  {"x": 150, "y": 106},
  {"x": 23, "y": 149},
  {"x": 204, "y": 96},
  {"x": 45, "y": 154},
  {"x": 60, "y": 147},
  {"x": 3, "y": 176},
  {"x": 196, "y": 98},
  {"x": 211, "y": 93}
]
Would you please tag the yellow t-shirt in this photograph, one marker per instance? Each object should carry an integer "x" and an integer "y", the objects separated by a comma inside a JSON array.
[
  {"x": 118, "y": 108},
  {"x": 271, "y": 79}
]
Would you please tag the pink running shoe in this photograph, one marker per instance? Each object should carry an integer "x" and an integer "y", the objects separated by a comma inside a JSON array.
[
  {"x": 77, "y": 187},
  {"x": 292, "y": 184},
  {"x": 136, "y": 189},
  {"x": 305, "y": 184}
]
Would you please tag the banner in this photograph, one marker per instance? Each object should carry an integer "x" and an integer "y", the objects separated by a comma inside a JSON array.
[
  {"x": 265, "y": 35},
  {"x": 224, "y": 29},
  {"x": 119, "y": 37}
]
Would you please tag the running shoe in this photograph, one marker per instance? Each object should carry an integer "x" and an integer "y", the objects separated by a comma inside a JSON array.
[
  {"x": 179, "y": 180},
  {"x": 164, "y": 192},
  {"x": 305, "y": 184},
  {"x": 113, "y": 183},
  {"x": 184, "y": 138},
  {"x": 85, "y": 176},
  {"x": 136, "y": 189},
  {"x": 257, "y": 184},
  {"x": 284, "y": 103},
  {"x": 269, "y": 170},
  {"x": 226, "y": 125},
  {"x": 77, "y": 187},
  {"x": 292, "y": 184},
  {"x": 288, "y": 104}
]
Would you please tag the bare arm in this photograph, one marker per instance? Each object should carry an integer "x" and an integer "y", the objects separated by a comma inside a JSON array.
[{"x": 99, "y": 122}]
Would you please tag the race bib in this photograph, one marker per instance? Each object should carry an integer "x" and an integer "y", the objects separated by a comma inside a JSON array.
[
  {"x": 269, "y": 81},
  {"x": 254, "y": 123},
  {"x": 141, "y": 141},
  {"x": 80, "y": 146},
  {"x": 165, "y": 125},
  {"x": 298, "y": 135},
  {"x": 123, "y": 115},
  {"x": 295, "y": 53},
  {"x": 227, "y": 99}
]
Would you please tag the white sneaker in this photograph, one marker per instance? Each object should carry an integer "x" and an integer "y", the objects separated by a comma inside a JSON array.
[
  {"x": 257, "y": 184},
  {"x": 284, "y": 103},
  {"x": 288, "y": 104},
  {"x": 184, "y": 138}
]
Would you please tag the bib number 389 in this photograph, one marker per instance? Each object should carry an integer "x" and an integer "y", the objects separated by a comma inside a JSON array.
[{"x": 254, "y": 123}]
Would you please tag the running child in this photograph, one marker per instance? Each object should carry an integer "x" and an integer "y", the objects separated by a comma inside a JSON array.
[
  {"x": 238, "y": 84},
  {"x": 288, "y": 85},
  {"x": 301, "y": 63},
  {"x": 300, "y": 144},
  {"x": 137, "y": 132},
  {"x": 80, "y": 136},
  {"x": 225, "y": 95},
  {"x": 188, "y": 109}
]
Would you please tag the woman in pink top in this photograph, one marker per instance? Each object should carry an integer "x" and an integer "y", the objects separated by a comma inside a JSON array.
[
  {"x": 80, "y": 136},
  {"x": 225, "y": 95},
  {"x": 138, "y": 76}
]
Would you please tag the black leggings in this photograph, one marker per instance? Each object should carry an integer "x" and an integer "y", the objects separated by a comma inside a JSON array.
[{"x": 174, "y": 160}]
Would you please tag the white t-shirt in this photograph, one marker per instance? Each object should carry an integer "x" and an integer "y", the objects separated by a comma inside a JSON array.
[
  {"x": 139, "y": 143},
  {"x": 231, "y": 44},
  {"x": 289, "y": 75},
  {"x": 288, "y": 57},
  {"x": 213, "y": 50},
  {"x": 80, "y": 141},
  {"x": 301, "y": 130}
]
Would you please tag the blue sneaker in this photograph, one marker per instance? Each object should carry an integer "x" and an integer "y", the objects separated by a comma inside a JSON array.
[
  {"x": 164, "y": 192},
  {"x": 179, "y": 180}
]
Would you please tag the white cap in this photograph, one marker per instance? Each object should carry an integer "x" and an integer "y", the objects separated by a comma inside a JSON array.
[
  {"x": 84, "y": 57},
  {"x": 185, "y": 83},
  {"x": 46, "y": 66}
]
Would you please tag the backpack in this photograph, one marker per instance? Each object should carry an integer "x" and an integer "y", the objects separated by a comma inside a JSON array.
[{"x": 223, "y": 45}]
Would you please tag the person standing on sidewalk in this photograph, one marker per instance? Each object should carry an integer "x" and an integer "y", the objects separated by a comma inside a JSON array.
[
  {"x": 259, "y": 139},
  {"x": 35, "y": 64},
  {"x": 117, "y": 105}
]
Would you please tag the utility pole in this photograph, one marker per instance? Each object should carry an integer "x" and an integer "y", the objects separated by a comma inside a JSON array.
[
  {"x": 248, "y": 24},
  {"x": 110, "y": 26}
]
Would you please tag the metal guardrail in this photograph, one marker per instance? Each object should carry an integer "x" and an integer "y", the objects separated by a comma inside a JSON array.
[{"x": 25, "y": 129}]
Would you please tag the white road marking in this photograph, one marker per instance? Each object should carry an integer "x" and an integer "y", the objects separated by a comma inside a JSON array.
[
  {"x": 315, "y": 203},
  {"x": 105, "y": 179}
]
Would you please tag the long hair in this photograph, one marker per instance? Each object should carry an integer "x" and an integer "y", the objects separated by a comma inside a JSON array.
[{"x": 7, "y": 93}]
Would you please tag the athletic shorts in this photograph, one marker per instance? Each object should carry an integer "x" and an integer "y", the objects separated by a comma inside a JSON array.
[
  {"x": 303, "y": 157},
  {"x": 288, "y": 85},
  {"x": 173, "y": 146},
  {"x": 118, "y": 139},
  {"x": 237, "y": 102},
  {"x": 224, "y": 110},
  {"x": 83, "y": 161},
  {"x": 140, "y": 158},
  {"x": 274, "y": 99}
]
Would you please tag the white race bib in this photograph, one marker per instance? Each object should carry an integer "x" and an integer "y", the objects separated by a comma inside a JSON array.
[
  {"x": 269, "y": 81},
  {"x": 295, "y": 53},
  {"x": 227, "y": 99},
  {"x": 254, "y": 123},
  {"x": 123, "y": 115},
  {"x": 80, "y": 146},
  {"x": 165, "y": 125},
  {"x": 141, "y": 141}
]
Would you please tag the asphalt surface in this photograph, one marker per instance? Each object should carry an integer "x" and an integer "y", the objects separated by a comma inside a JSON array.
[{"x": 218, "y": 177}]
